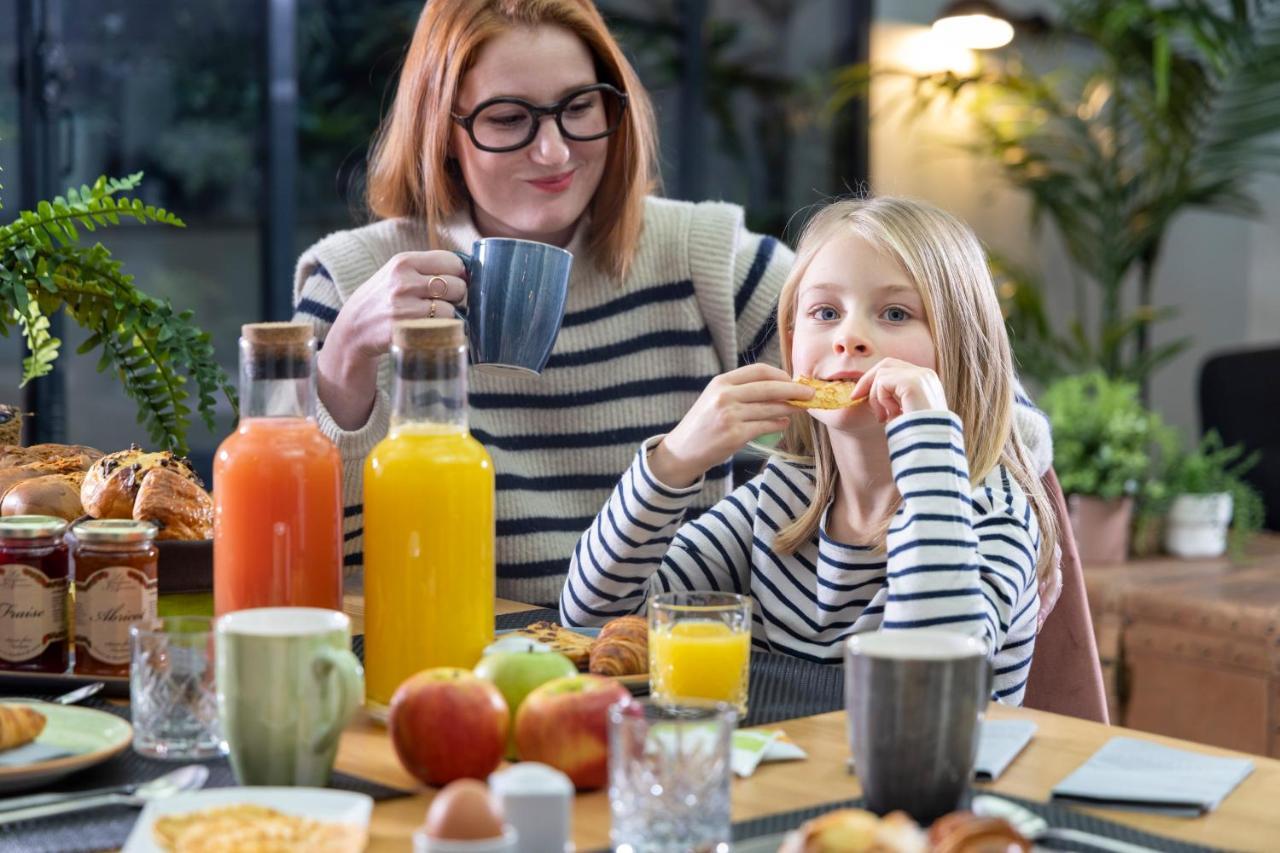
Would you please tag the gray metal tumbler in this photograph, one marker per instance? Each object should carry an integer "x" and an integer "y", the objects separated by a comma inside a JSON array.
[{"x": 915, "y": 701}]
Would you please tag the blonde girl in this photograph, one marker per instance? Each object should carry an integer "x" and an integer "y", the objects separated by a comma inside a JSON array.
[{"x": 921, "y": 507}]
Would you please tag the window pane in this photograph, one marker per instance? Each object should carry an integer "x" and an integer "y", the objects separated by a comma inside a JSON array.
[
  {"x": 172, "y": 90},
  {"x": 11, "y": 350}
]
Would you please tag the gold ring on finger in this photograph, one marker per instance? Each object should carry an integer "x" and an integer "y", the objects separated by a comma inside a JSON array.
[{"x": 437, "y": 287}]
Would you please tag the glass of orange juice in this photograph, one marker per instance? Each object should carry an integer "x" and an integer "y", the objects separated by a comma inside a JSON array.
[{"x": 700, "y": 647}]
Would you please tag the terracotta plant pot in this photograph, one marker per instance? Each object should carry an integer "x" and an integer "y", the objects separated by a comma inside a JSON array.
[
  {"x": 1101, "y": 528},
  {"x": 1197, "y": 525}
]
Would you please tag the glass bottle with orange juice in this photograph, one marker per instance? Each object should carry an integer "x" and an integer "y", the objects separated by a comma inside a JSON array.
[
  {"x": 277, "y": 483},
  {"x": 428, "y": 519},
  {"x": 700, "y": 647}
]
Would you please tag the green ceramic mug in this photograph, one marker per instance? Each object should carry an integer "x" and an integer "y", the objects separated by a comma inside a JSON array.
[{"x": 287, "y": 685}]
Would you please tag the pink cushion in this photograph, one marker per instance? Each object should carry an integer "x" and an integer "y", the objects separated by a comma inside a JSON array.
[{"x": 1066, "y": 677}]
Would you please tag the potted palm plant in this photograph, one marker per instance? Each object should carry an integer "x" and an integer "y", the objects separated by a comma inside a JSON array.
[
  {"x": 1208, "y": 494},
  {"x": 156, "y": 353},
  {"x": 1175, "y": 107},
  {"x": 1103, "y": 439}
]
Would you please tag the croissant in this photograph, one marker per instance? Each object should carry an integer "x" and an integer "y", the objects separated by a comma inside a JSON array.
[
  {"x": 965, "y": 832},
  {"x": 177, "y": 505},
  {"x": 622, "y": 647},
  {"x": 18, "y": 725}
]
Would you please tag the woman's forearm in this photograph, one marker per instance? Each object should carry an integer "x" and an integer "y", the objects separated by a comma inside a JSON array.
[{"x": 346, "y": 382}]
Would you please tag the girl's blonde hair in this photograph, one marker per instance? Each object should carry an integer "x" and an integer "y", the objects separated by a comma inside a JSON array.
[
  {"x": 410, "y": 173},
  {"x": 945, "y": 262}
]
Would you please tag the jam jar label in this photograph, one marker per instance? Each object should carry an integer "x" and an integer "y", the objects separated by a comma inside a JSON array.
[
  {"x": 33, "y": 612},
  {"x": 107, "y": 603}
]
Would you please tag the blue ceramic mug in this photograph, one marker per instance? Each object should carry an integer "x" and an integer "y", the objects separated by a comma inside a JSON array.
[{"x": 515, "y": 303}]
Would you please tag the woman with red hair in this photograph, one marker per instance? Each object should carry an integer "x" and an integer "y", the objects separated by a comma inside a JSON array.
[{"x": 522, "y": 118}]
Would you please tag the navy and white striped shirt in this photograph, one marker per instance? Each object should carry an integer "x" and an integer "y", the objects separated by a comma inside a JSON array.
[
  {"x": 630, "y": 360},
  {"x": 957, "y": 557}
]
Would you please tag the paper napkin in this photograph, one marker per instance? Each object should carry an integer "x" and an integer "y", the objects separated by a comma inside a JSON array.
[
  {"x": 1128, "y": 773},
  {"x": 1000, "y": 743},
  {"x": 752, "y": 747}
]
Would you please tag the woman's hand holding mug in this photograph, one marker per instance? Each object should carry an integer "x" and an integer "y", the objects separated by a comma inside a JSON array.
[{"x": 410, "y": 286}]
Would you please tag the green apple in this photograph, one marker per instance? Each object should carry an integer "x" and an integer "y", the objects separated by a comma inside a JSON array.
[{"x": 517, "y": 673}]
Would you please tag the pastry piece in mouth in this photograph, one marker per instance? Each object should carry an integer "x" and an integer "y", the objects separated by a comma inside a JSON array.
[
  {"x": 576, "y": 647},
  {"x": 828, "y": 395}
]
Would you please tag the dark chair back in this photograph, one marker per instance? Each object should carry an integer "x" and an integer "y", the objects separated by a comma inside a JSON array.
[{"x": 1240, "y": 398}]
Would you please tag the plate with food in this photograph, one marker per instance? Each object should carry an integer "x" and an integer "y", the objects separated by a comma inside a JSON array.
[
  {"x": 233, "y": 819},
  {"x": 41, "y": 742},
  {"x": 618, "y": 649}
]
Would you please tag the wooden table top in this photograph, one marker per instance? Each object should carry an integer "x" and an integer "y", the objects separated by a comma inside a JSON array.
[{"x": 1246, "y": 820}]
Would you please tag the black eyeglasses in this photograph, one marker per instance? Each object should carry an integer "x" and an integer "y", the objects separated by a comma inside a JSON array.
[{"x": 505, "y": 124}]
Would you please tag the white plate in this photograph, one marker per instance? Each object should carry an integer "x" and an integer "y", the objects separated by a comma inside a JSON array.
[
  {"x": 90, "y": 736},
  {"x": 316, "y": 803}
]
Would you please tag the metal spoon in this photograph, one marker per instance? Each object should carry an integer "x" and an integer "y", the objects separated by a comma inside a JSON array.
[
  {"x": 1037, "y": 828},
  {"x": 188, "y": 778}
]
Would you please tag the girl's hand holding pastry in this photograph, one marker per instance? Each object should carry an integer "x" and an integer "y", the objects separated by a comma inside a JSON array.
[
  {"x": 735, "y": 408},
  {"x": 894, "y": 387}
]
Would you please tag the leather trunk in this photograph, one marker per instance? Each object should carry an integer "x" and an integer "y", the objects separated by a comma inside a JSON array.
[{"x": 1202, "y": 661}]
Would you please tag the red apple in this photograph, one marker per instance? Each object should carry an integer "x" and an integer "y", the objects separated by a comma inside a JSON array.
[
  {"x": 564, "y": 723},
  {"x": 447, "y": 723}
]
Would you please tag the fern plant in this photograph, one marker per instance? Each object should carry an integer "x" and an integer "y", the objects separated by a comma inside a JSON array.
[{"x": 155, "y": 352}]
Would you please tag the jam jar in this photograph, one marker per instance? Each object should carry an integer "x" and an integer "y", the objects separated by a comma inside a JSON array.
[
  {"x": 114, "y": 564},
  {"x": 33, "y": 594}
]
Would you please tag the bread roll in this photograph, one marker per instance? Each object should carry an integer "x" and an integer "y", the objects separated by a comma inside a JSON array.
[
  {"x": 176, "y": 504},
  {"x": 857, "y": 831},
  {"x": 112, "y": 484},
  {"x": 81, "y": 456},
  {"x": 52, "y": 494},
  {"x": 10, "y": 477}
]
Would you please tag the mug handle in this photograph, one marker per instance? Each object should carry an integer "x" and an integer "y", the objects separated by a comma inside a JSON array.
[
  {"x": 330, "y": 662},
  {"x": 458, "y": 310}
]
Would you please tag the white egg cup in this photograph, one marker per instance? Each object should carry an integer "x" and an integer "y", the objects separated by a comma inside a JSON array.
[{"x": 506, "y": 844}]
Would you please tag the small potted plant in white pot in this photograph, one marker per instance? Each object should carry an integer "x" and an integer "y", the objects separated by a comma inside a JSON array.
[
  {"x": 1207, "y": 491},
  {"x": 1102, "y": 452}
]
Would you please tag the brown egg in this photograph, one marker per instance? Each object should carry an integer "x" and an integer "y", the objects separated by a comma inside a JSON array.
[{"x": 464, "y": 811}]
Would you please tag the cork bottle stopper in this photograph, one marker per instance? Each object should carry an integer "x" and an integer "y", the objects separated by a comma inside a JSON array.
[
  {"x": 428, "y": 334},
  {"x": 281, "y": 335}
]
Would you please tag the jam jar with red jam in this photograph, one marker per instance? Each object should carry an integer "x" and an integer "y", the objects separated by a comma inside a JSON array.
[
  {"x": 33, "y": 594},
  {"x": 114, "y": 566}
]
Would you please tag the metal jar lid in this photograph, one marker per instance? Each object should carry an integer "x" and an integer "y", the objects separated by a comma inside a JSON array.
[
  {"x": 31, "y": 527},
  {"x": 114, "y": 530}
]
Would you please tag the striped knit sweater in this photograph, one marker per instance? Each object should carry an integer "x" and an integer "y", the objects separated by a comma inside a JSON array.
[
  {"x": 956, "y": 556},
  {"x": 631, "y": 358}
]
